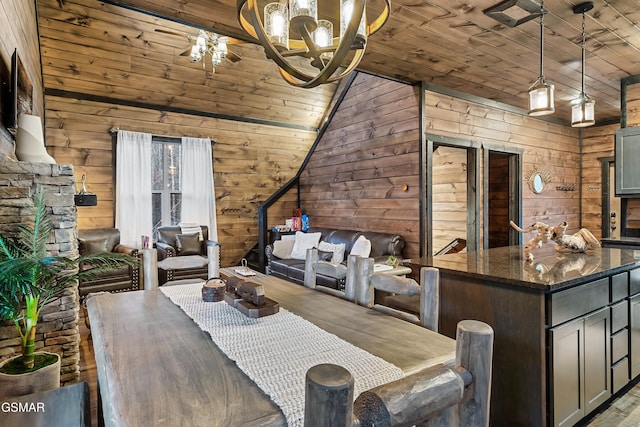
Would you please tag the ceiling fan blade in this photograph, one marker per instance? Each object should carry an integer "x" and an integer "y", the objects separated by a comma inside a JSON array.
[
  {"x": 171, "y": 33},
  {"x": 186, "y": 52},
  {"x": 232, "y": 56}
]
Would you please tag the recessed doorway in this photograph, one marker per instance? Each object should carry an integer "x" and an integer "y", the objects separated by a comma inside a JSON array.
[
  {"x": 451, "y": 195},
  {"x": 502, "y": 197}
]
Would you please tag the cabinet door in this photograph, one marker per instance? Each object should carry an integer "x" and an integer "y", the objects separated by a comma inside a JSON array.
[
  {"x": 597, "y": 361},
  {"x": 567, "y": 371},
  {"x": 634, "y": 334}
]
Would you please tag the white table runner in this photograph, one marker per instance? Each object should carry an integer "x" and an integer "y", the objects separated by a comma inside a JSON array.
[{"x": 276, "y": 351}]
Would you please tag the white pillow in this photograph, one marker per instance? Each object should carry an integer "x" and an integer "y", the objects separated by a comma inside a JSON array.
[
  {"x": 303, "y": 242},
  {"x": 362, "y": 247},
  {"x": 337, "y": 249},
  {"x": 282, "y": 248}
]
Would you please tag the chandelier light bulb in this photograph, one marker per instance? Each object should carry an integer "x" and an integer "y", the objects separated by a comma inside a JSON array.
[
  {"x": 323, "y": 37},
  {"x": 304, "y": 8},
  {"x": 276, "y": 25},
  {"x": 346, "y": 11},
  {"x": 196, "y": 54}
]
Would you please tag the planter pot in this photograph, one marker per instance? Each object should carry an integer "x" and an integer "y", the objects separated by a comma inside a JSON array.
[{"x": 47, "y": 378}]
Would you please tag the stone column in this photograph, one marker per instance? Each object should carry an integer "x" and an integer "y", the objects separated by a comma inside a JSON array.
[{"x": 58, "y": 324}]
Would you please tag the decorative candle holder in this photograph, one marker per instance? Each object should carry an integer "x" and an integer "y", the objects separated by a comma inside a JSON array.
[{"x": 213, "y": 290}]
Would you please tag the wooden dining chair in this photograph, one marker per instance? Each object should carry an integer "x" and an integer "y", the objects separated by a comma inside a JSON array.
[
  {"x": 349, "y": 272},
  {"x": 428, "y": 291}
]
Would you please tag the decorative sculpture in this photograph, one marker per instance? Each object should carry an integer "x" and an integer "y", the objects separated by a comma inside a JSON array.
[
  {"x": 249, "y": 298},
  {"x": 581, "y": 241}
]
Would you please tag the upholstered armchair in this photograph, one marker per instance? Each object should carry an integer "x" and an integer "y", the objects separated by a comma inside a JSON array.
[
  {"x": 187, "y": 255},
  {"x": 122, "y": 279}
]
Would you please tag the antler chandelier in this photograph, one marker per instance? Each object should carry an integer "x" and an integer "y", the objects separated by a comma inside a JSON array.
[
  {"x": 312, "y": 38},
  {"x": 208, "y": 43}
]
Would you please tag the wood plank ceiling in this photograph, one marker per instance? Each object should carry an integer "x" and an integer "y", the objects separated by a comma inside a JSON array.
[
  {"x": 450, "y": 44},
  {"x": 93, "y": 49}
]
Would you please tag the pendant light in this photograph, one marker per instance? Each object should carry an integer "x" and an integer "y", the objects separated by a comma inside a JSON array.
[
  {"x": 582, "y": 108},
  {"x": 541, "y": 92}
]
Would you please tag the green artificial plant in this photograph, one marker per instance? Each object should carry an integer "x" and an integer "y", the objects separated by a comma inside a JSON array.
[{"x": 30, "y": 277}]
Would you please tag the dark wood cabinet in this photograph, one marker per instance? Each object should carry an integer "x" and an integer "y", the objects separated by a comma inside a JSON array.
[
  {"x": 627, "y": 152},
  {"x": 597, "y": 361},
  {"x": 580, "y": 367},
  {"x": 634, "y": 334},
  {"x": 564, "y": 342}
]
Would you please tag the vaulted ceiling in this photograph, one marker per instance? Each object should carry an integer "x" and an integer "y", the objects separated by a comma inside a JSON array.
[{"x": 450, "y": 44}]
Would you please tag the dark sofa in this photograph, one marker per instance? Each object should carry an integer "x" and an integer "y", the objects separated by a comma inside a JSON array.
[
  {"x": 382, "y": 246},
  {"x": 122, "y": 279}
]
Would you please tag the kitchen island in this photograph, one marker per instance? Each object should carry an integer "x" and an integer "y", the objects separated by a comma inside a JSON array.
[{"x": 567, "y": 326}]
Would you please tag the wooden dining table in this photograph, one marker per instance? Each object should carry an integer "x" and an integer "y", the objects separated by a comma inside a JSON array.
[{"x": 155, "y": 366}]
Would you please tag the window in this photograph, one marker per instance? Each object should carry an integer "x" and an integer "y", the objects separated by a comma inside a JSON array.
[{"x": 165, "y": 180}]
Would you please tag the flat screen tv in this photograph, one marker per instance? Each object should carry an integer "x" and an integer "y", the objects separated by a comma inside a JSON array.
[{"x": 10, "y": 96}]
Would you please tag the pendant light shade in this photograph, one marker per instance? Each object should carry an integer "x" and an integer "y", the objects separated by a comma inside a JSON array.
[
  {"x": 541, "y": 98},
  {"x": 583, "y": 108},
  {"x": 541, "y": 93},
  {"x": 583, "y": 112}
]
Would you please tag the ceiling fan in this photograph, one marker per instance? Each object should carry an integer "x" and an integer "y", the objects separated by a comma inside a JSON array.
[{"x": 207, "y": 43}]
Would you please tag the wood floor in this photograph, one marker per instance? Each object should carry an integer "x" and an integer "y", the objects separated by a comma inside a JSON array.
[
  {"x": 88, "y": 370},
  {"x": 623, "y": 412}
]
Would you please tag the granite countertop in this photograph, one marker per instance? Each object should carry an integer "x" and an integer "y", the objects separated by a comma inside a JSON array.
[
  {"x": 550, "y": 270},
  {"x": 627, "y": 241}
]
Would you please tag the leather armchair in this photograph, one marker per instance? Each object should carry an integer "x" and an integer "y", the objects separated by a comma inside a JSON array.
[
  {"x": 182, "y": 258},
  {"x": 107, "y": 240}
]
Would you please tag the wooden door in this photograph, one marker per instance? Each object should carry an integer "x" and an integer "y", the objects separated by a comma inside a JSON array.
[{"x": 503, "y": 202}]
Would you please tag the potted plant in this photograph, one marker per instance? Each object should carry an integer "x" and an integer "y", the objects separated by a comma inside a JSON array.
[{"x": 29, "y": 278}]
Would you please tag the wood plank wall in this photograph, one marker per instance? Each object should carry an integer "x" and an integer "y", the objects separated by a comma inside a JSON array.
[
  {"x": 19, "y": 30},
  {"x": 546, "y": 146},
  {"x": 597, "y": 142},
  {"x": 633, "y": 105},
  {"x": 354, "y": 178},
  {"x": 449, "y": 195},
  {"x": 250, "y": 161}
]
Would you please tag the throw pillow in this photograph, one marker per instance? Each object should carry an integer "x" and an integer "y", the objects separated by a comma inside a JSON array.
[
  {"x": 188, "y": 244},
  {"x": 325, "y": 255},
  {"x": 302, "y": 242},
  {"x": 92, "y": 246},
  {"x": 282, "y": 248},
  {"x": 362, "y": 247},
  {"x": 336, "y": 248}
]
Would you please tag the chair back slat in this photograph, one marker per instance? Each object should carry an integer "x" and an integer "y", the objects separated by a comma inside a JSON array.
[{"x": 395, "y": 284}]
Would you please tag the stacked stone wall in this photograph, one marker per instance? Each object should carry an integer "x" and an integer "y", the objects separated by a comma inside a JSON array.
[{"x": 57, "y": 329}]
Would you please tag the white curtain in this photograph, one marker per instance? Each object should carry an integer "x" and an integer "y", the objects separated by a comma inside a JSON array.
[
  {"x": 196, "y": 177},
  {"x": 133, "y": 187}
]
